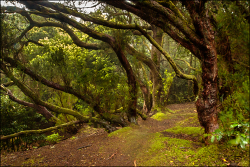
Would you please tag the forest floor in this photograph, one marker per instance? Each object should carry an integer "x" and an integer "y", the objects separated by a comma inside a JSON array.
[{"x": 166, "y": 139}]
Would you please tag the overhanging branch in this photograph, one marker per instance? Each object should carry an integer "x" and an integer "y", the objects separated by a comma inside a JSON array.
[{"x": 171, "y": 62}]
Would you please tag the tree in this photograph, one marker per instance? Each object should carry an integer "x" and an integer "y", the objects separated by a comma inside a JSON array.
[{"x": 193, "y": 24}]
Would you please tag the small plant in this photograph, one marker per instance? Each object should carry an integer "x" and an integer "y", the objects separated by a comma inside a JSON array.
[
  {"x": 73, "y": 138},
  {"x": 54, "y": 138},
  {"x": 239, "y": 132}
]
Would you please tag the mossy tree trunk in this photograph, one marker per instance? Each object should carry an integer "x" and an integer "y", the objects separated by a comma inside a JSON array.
[
  {"x": 156, "y": 79},
  {"x": 132, "y": 103}
]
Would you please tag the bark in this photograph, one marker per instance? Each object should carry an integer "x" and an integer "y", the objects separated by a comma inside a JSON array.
[
  {"x": 156, "y": 57},
  {"x": 131, "y": 113},
  {"x": 189, "y": 71},
  {"x": 207, "y": 103},
  {"x": 147, "y": 98},
  {"x": 156, "y": 77}
]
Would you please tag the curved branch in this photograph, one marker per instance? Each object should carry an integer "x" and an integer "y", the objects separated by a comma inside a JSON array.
[
  {"x": 8, "y": 84},
  {"x": 171, "y": 62},
  {"x": 192, "y": 68},
  {"x": 33, "y": 23},
  {"x": 175, "y": 18},
  {"x": 86, "y": 17},
  {"x": 40, "y": 109},
  {"x": 141, "y": 57},
  {"x": 27, "y": 132},
  {"x": 37, "y": 100},
  {"x": 157, "y": 21},
  {"x": 67, "y": 89}
]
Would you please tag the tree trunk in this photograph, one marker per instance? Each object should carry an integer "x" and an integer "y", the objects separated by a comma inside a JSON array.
[
  {"x": 207, "y": 103},
  {"x": 189, "y": 71},
  {"x": 131, "y": 111},
  {"x": 156, "y": 56}
]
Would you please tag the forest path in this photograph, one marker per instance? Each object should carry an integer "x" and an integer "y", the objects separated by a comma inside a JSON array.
[{"x": 146, "y": 144}]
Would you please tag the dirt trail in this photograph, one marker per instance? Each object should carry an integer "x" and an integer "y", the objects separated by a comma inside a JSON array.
[{"x": 124, "y": 147}]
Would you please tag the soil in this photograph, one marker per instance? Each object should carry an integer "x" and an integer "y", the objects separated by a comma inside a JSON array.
[{"x": 98, "y": 149}]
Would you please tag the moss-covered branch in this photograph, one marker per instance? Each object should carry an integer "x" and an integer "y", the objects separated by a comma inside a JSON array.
[
  {"x": 28, "y": 132},
  {"x": 8, "y": 84},
  {"x": 141, "y": 57},
  {"x": 171, "y": 61},
  {"x": 37, "y": 100},
  {"x": 40, "y": 109},
  {"x": 87, "y": 17},
  {"x": 192, "y": 68}
]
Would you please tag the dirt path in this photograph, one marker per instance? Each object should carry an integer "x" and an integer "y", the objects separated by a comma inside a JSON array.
[{"x": 130, "y": 146}]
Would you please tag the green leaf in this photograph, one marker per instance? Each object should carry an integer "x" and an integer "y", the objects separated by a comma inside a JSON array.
[
  {"x": 242, "y": 144},
  {"x": 219, "y": 137},
  {"x": 233, "y": 125},
  {"x": 212, "y": 138},
  {"x": 233, "y": 141},
  {"x": 217, "y": 131},
  {"x": 238, "y": 139},
  {"x": 243, "y": 135}
]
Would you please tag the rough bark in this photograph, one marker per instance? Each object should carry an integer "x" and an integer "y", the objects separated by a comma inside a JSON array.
[
  {"x": 156, "y": 57},
  {"x": 131, "y": 113},
  {"x": 207, "y": 103}
]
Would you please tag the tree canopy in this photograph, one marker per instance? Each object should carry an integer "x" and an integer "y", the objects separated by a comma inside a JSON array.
[{"x": 124, "y": 59}]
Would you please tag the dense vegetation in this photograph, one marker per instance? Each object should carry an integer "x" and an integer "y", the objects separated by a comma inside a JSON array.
[{"x": 61, "y": 64}]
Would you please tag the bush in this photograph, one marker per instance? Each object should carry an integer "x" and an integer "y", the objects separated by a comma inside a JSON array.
[{"x": 234, "y": 117}]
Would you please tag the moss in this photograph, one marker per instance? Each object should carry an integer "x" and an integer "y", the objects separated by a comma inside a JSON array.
[
  {"x": 89, "y": 130},
  {"x": 120, "y": 132},
  {"x": 166, "y": 151},
  {"x": 193, "y": 131},
  {"x": 159, "y": 116},
  {"x": 191, "y": 121}
]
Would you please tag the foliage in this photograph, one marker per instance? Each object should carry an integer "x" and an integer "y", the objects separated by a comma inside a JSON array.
[
  {"x": 53, "y": 138},
  {"x": 16, "y": 118},
  {"x": 235, "y": 117},
  {"x": 160, "y": 116},
  {"x": 167, "y": 81}
]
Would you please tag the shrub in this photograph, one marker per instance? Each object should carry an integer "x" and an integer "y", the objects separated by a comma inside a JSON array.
[{"x": 54, "y": 138}]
